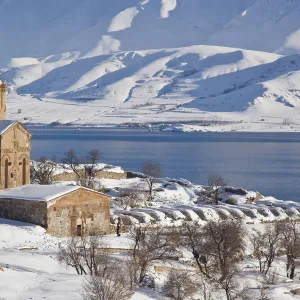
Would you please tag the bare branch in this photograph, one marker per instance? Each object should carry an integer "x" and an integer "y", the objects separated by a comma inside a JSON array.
[
  {"x": 152, "y": 171},
  {"x": 41, "y": 171}
]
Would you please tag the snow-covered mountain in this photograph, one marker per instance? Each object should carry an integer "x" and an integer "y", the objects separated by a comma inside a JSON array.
[
  {"x": 267, "y": 25},
  {"x": 92, "y": 62},
  {"x": 41, "y": 28}
]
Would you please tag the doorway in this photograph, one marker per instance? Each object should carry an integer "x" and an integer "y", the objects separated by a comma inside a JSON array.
[{"x": 79, "y": 230}]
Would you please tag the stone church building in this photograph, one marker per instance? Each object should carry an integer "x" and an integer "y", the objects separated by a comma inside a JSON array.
[
  {"x": 62, "y": 210},
  {"x": 14, "y": 149}
]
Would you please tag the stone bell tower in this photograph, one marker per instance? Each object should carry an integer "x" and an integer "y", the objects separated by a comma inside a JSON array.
[{"x": 2, "y": 101}]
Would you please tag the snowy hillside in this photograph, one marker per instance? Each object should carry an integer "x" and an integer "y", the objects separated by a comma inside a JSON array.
[
  {"x": 29, "y": 267},
  {"x": 93, "y": 27},
  {"x": 40, "y": 28},
  {"x": 272, "y": 26},
  {"x": 92, "y": 62},
  {"x": 183, "y": 84}
]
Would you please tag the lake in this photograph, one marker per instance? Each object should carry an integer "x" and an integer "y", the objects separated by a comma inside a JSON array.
[{"x": 265, "y": 162}]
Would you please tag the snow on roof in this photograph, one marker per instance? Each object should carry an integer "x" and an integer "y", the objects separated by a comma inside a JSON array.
[
  {"x": 37, "y": 192},
  {"x": 5, "y": 124}
]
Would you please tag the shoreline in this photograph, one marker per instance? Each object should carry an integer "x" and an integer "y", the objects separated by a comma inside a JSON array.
[{"x": 190, "y": 127}]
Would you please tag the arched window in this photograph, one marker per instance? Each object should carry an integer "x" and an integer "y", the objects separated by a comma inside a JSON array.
[
  {"x": 24, "y": 171},
  {"x": 6, "y": 174}
]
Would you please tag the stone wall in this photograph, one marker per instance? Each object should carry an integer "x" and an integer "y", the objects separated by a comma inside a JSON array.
[
  {"x": 15, "y": 157},
  {"x": 101, "y": 174},
  {"x": 3, "y": 101},
  {"x": 30, "y": 211},
  {"x": 79, "y": 210}
]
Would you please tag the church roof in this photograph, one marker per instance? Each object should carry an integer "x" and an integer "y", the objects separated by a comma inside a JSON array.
[
  {"x": 5, "y": 124},
  {"x": 38, "y": 192}
]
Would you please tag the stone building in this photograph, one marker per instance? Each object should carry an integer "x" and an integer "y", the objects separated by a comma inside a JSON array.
[
  {"x": 14, "y": 154},
  {"x": 2, "y": 101},
  {"x": 14, "y": 149},
  {"x": 62, "y": 210},
  {"x": 101, "y": 171}
]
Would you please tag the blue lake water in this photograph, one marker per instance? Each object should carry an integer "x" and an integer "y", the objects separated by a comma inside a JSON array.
[{"x": 266, "y": 162}]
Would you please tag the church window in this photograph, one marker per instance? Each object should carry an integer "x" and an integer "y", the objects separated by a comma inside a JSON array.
[
  {"x": 6, "y": 174},
  {"x": 24, "y": 170},
  {"x": 12, "y": 175}
]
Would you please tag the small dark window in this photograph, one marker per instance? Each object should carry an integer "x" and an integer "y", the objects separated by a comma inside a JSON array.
[
  {"x": 20, "y": 164},
  {"x": 6, "y": 174},
  {"x": 78, "y": 230},
  {"x": 11, "y": 175},
  {"x": 10, "y": 163}
]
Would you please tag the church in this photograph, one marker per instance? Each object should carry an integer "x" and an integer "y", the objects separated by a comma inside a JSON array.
[
  {"x": 14, "y": 149},
  {"x": 62, "y": 210}
]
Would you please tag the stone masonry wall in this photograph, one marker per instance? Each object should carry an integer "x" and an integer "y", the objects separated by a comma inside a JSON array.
[
  {"x": 15, "y": 157},
  {"x": 24, "y": 210},
  {"x": 81, "y": 208},
  {"x": 100, "y": 174}
]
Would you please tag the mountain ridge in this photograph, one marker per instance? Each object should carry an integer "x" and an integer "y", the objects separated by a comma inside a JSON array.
[{"x": 86, "y": 56}]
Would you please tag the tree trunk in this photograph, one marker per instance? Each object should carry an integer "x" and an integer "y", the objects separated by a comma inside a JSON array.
[
  {"x": 290, "y": 267},
  {"x": 150, "y": 189},
  {"x": 216, "y": 196},
  {"x": 118, "y": 226},
  {"x": 228, "y": 297}
]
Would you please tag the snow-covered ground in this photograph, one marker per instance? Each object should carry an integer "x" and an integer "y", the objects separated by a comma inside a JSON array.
[
  {"x": 176, "y": 201},
  {"x": 28, "y": 253},
  {"x": 215, "y": 88}
]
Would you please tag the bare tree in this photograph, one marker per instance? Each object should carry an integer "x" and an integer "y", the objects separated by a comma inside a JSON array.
[
  {"x": 265, "y": 245},
  {"x": 90, "y": 162},
  {"x": 231, "y": 286},
  {"x": 149, "y": 246},
  {"x": 73, "y": 161},
  {"x": 215, "y": 182},
  {"x": 217, "y": 248},
  {"x": 118, "y": 229},
  {"x": 41, "y": 171},
  {"x": 180, "y": 285},
  {"x": 113, "y": 284},
  {"x": 137, "y": 234},
  {"x": 83, "y": 167},
  {"x": 264, "y": 292},
  {"x": 290, "y": 242},
  {"x": 131, "y": 268},
  {"x": 83, "y": 253},
  {"x": 70, "y": 255},
  {"x": 129, "y": 197},
  {"x": 152, "y": 171}
]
